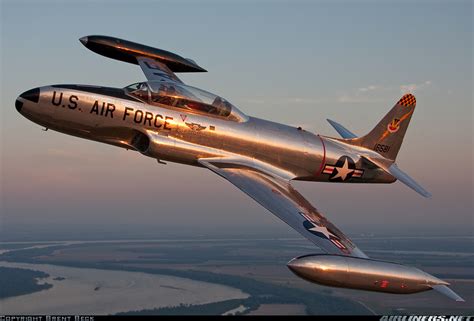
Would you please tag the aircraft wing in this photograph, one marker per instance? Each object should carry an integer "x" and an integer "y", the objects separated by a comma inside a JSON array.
[
  {"x": 279, "y": 197},
  {"x": 156, "y": 71}
]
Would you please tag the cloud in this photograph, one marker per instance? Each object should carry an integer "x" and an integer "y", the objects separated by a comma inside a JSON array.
[
  {"x": 351, "y": 99},
  {"x": 286, "y": 100},
  {"x": 368, "y": 94},
  {"x": 379, "y": 93},
  {"x": 369, "y": 88},
  {"x": 411, "y": 88},
  {"x": 304, "y": 100}
]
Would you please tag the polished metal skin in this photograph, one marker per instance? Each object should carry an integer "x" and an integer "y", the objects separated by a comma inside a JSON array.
[
  {"x": 296, "y": 152},
  {"x": 363, "y": 274},
  {"x": 127, "y": 51},
  {"x": 168, "y": 120}
]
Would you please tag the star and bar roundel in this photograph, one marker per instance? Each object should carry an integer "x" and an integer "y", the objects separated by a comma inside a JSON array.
[
  {"x": 343, "y": 170},
  {"x": 320, "y": 229}
]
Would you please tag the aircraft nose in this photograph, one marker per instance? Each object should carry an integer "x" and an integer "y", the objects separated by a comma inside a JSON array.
[
  {"x": 31, "y": 95},
  {"x": 83, "y": 40},
  {"x": 18, "y": 105}
]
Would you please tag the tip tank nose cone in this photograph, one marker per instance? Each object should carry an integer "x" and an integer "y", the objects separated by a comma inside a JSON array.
[
  {"x": 291, "y": 263},
  {"x": 83, "y": 40},
  {"x": 295, "y": 265}
]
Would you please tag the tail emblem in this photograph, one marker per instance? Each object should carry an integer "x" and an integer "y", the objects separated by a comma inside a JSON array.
[
  {"x": 407, "y": 100},
  {"x": 394, "y": 125}
]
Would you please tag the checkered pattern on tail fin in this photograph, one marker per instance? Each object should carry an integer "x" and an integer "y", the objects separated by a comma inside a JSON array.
[{"x": 408, "y": 101}]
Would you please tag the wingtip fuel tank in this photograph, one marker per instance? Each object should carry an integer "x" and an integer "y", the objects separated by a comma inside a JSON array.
[
  {"x": 363, "y": 274},
  {"x": 128, "y": 51}
]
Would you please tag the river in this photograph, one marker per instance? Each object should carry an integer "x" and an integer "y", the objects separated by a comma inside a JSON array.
[{"x": 95, "y": 291}]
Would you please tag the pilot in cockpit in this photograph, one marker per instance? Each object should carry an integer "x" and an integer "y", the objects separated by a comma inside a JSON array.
[
  {"x": 222, "y": 106},
  {"x": 141, "y": 91},
  {"x": 165, "y": 95},
  {"x": 217, "y": 103}
]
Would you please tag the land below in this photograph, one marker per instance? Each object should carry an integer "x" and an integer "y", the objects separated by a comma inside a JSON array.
[{"x": 257, "y": 267}]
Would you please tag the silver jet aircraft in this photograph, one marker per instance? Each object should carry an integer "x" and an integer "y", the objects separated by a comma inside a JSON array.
[{"x": 165, "y": 119}]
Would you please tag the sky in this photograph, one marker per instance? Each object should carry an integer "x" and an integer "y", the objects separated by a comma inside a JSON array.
[{"x": 293, "y": 62}]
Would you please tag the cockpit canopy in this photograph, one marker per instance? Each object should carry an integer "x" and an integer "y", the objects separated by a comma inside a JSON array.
[{"x": 180, "y": 96}]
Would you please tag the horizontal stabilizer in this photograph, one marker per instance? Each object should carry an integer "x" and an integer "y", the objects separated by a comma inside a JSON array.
[
  {"x": 407, "y": 180},
  {"x": 445, "y": 290},
  {"x": 344, "y": 132}
]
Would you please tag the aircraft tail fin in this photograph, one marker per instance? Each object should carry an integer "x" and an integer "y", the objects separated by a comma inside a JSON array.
[
  {"x": 386, "y": 139},
  {"x": 387, "y": 136}
]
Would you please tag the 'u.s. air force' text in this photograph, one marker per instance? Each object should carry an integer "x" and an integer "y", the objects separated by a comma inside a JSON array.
[{"x": 107, "y": 110}]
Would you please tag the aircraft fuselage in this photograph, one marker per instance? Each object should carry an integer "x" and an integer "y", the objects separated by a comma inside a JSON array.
[{"x": 110, "y": 116}]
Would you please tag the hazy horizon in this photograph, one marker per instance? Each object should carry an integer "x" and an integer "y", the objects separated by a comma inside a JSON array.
[{"x": 52, "y": 232}]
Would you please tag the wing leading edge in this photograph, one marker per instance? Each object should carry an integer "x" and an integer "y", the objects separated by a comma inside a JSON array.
[{"x": 279, "y": 197}]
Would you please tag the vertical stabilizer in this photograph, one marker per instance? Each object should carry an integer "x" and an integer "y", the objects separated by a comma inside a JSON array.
[{"x": 387, "y": 137}]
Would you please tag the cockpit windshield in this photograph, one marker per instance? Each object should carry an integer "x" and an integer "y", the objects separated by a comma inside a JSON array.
[
  {"x": 180, "y": 96},
  {"x": 139, "y": 90}
]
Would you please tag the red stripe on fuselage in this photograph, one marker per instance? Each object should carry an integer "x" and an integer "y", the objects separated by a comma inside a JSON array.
[{"x": 324, "y": 157}]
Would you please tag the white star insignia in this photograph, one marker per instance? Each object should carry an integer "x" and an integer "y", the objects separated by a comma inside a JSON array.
[
  {"x": 321, "y": 229},
  {"x": 343, "y": 171}
]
